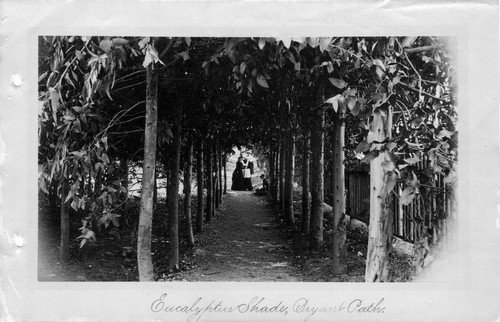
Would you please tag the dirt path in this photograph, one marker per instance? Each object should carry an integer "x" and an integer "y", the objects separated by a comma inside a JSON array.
[{"x": 243, "y": 244}]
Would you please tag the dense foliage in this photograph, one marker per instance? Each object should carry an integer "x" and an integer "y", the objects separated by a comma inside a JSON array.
[{"x": 252, "y": 92}]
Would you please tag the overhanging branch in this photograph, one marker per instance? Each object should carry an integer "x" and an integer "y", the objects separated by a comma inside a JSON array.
[
  {"x": 419, "y": 91},
  {"x": 420, "y": 49}
]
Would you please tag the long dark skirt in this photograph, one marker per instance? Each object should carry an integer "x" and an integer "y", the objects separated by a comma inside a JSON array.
[
  {"x": 238, "y": 183},
  {"x": 247, "y": 184}
]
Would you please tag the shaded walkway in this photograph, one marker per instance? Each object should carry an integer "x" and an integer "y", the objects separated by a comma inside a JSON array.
[{"x": 242, "y": 244}]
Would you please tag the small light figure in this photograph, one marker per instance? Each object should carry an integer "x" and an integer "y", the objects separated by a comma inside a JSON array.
[{"x": 360, "y": 156}]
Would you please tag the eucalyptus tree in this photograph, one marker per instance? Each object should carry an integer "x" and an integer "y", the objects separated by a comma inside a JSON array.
[{"x": 76, "y": 144}]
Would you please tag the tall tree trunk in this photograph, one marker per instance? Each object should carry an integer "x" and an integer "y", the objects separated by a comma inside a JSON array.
[
  {"x": 54, "y": 198},
  {"x": 224, "y": 162},
  {"x": 340, "y": 220},
  {"x": 155, "y": 190},
  {"x": 64, "y": 241},
  {"x": 380, "y": 228},
  {"x": 216, "y": 174},
  {"x": 188, "y": 173},
  {"x": 173, "y": 198},
  {"x": 271, "y": 174},
  {"x": 144, "y": 260},
  {"x": 317, "y": 171},
  {"x": 274, "y": 194},
  {"x": 213, "y": 173},
  {"x": 219, "y": 154},
  {"x": 166, "y": 168},
  {"x": 289, "y": 173},
  {"x": 199, "y": 174},
  {"x": 209, "y": 181},
  {"x": 276, "y": 172},
  {"x": 306, "y": 198},
  {"x": 281, "y": 176}
]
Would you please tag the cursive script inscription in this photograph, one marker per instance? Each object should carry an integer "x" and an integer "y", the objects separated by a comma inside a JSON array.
[
  {"x": 302, "y": 307},
  {"x": 197, "y": 309},
  {"x": 256, "y": 304}
]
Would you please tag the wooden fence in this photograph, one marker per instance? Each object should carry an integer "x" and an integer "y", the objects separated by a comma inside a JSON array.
[
  {"x": 358, "y": 195},
  {"x": 426, "y": 215}
]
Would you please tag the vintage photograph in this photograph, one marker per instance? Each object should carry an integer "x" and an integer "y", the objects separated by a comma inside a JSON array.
[{"x": 265, "y": 159}]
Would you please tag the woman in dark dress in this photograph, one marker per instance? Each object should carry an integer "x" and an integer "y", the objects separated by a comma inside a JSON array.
[{"x": 238, "y": 176}]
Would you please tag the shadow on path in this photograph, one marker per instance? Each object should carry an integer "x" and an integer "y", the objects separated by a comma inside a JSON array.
[{"x": 243, "y": 243}]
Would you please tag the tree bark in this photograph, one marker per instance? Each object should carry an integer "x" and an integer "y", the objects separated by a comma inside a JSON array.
[
  {"x": 166, "y": 168},
  {"x": 219, "y": 155},
  {"x": 199, "y": 174},
  {"x": 144, "y": 259},
  {"x": 54, "y": 200},
  {"x": 340, "y": 220},
  {"x": 188, "y": 173},
  {"x": 209, "y": 183},
  {"x": 213, "y": 173},
  {"x": 64, "y": 241},
  {"x": 155, "y": 190},
  {"x": 306, "y": 198},
  {"x": 216, "y": 174},
  {"x": 317, "y": 172},
  {"x": 281, "y": 175},
  {"x": 380, "y": 228},
  {"x": 289, "y": 173},
  {"x": 173, "y": 199},
  {"x": 276, "y": 173},
  {"x": 224, "y": 162},
  {"x": 271, "y": 174}
]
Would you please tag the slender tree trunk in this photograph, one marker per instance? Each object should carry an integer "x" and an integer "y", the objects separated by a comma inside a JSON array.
[
  {"x": 216, "y": 174},
  {"x": 225, "y": 171},
  {"x": 317, "y": 172},
  {"x": 281, "y": 176},
  {"x": 188, "y": 173},
  {"x": 290, "y": 169},
  {"x": 340, "y": 220},
  {"x": 221, "y": 188},
  {"x": 271, "y": 174},
  {"x": 173, "y": 199},
  {"x": 199, "y": 174},
  {"x": 276, "y": 172},
  {"x": 166, "y": 168},
  {"x": 144, "y": 259},
  {"x": 306, "y": 198},
  {"x": 380, "y": 228},
  {"x": 54, "y": 200},
  {"x": 213, "y": 172},
  {"x": 155, "y": 190},
  {"x": 64, "y": 241},
  {"x": 209, "y": 182}
]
